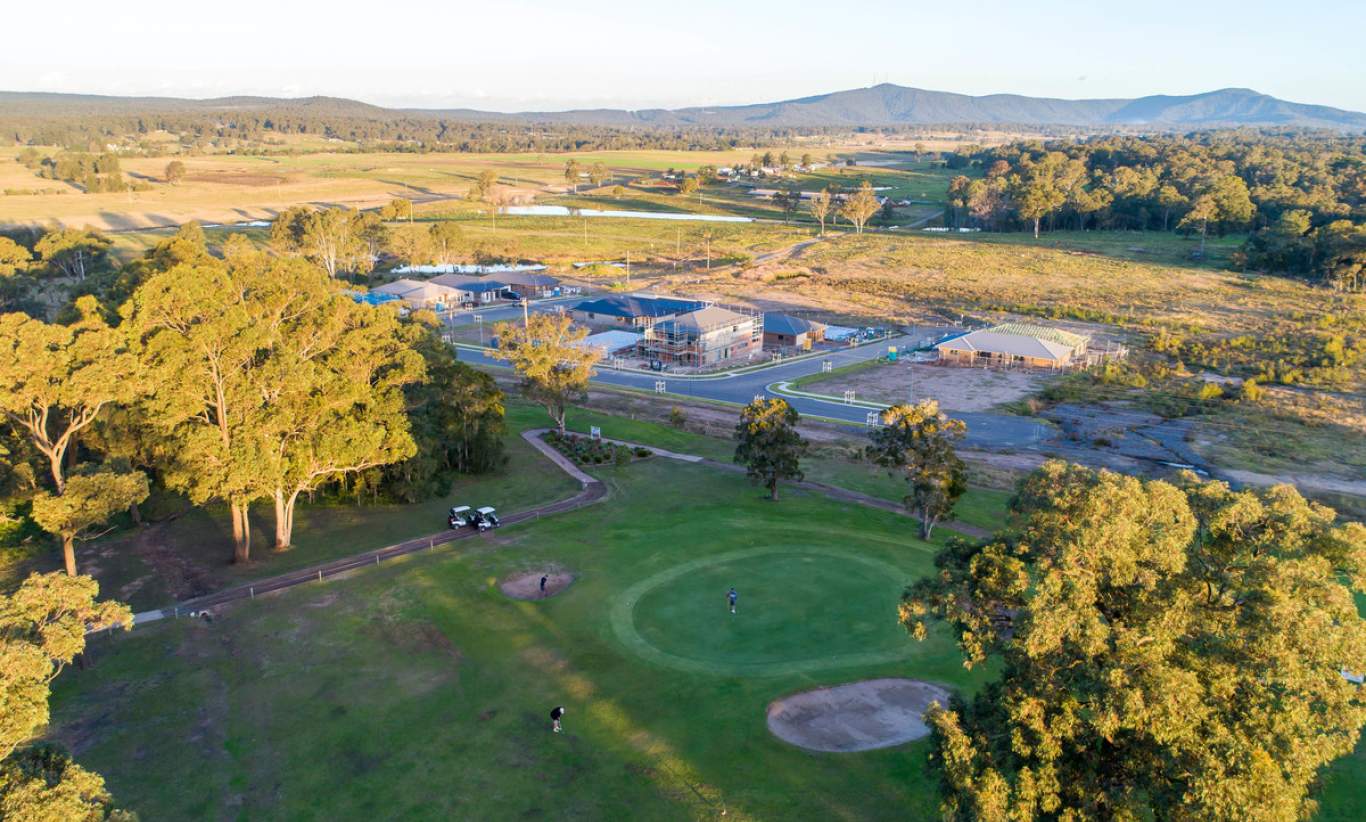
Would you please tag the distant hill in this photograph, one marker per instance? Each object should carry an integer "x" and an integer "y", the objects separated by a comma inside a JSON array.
[{"x": 882, "y": 105}]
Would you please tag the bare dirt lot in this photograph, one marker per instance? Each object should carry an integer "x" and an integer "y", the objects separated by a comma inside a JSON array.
[
  {"x": 956, "y": 389},
  {"x": 859, "y": 716}
]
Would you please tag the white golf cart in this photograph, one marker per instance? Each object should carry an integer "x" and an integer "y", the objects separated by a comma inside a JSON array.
[
  {"x": 460, "y": 516},
  {"x": 486, "y": 518}
]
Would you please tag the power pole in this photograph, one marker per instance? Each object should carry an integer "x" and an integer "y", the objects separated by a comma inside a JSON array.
[
  {"x": 628, "y": 268},
  {"x": 526, "y": 316}
]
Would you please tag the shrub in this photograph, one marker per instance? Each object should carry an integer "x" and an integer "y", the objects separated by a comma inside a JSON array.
[{"x": 677, "y": 418}]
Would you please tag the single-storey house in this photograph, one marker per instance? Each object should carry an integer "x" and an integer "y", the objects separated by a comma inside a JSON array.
[
  {"x": 421, "y": 294},
  {"x": 1014, "y": 345},
  {"x": 634, "y": 310},
  {"x": 704, "y": 337},
  {"x": 472, "y": 290},
  {"x": 530, "y": 284},
  {"x": 786, "y": 331}
]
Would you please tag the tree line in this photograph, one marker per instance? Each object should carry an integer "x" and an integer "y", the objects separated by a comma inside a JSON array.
[
  {"x": 239, "y": 377},
  {"x": 1300, "y": 197}
]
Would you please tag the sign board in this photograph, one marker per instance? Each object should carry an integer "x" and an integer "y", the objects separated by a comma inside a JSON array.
[
  {"x": 826, "y": 365},
  {"x": 873, "y": 420},
  {"x": 659, "y": 386},
  {"x": 848, "y": 397},
  {"x": 595, "y": 432}
]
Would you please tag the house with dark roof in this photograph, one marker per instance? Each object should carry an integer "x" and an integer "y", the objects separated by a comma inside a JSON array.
[
  {"x": 635, "y": 310},
  {"x": 529, "y": 283},
  {"x": 784, "y": 331},
  {"x": 471, "y": 289}
]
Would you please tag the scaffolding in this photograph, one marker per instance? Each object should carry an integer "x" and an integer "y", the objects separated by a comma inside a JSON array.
[{"x": 714, "y": 334}]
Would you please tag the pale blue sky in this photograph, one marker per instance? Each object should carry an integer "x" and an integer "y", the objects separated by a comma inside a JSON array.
[{"x": 534, "y": 54}]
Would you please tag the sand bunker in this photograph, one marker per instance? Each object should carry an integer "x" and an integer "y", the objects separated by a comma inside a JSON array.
[
  {"x": 528, "y": 586},
  {"x": 859, "y": 716}
]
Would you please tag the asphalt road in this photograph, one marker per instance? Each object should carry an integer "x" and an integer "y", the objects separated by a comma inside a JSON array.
[{"x": 985, "y": 430}]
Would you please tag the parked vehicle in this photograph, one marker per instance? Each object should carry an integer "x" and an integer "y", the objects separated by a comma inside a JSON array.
[
  {"x": 460, "y": 517},
  {"x": 486, "y": 518}
]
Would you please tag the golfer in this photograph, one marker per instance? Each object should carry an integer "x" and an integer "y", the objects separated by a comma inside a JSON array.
[
  {"x": 555, "y": 714},
  {"x": 543, "y": 579},
  {"x": 731, "y": 596}
]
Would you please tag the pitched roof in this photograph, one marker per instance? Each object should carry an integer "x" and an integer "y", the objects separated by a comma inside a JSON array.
[
  {"x": 528, "y": 278},
  {"x": 415, "y": 290},
  {"x": 788, "y": 324},
  {"x": 634, "y": 306},
  {"x": 1076, "y": 342},
  {"x": 470, "y": 285},
  {"x": 703, "y": 319},
  {"x": 1002, "y": 342}
]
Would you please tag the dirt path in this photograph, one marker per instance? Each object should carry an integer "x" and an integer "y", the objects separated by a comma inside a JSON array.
[{"x": 794, "y": 250}]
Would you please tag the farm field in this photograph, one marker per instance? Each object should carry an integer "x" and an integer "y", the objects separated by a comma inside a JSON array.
[
  {"x": 428, "y": 688},
  {"x": 230, "y": 188}
]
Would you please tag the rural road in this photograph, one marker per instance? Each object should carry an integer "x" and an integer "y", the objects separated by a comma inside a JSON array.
[{"x": 985, "y": 430}]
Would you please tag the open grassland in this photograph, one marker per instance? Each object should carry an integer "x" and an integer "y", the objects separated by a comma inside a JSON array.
[
  {"x": 230, "y": 188},
  {"x": 418, "y": 690}
]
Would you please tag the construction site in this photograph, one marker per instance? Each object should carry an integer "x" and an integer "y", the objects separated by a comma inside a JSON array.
[{"x": 708, "y": 336}]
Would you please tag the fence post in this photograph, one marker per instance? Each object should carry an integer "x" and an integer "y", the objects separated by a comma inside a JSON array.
[
  {"x": 252, "y": 591},
  {"x": 320, "y": 575}
]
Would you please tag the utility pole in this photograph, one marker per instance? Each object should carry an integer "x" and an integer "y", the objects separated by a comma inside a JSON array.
[
  {"x": 526, "y": 316},
  {"x": 628, "y": 268}
]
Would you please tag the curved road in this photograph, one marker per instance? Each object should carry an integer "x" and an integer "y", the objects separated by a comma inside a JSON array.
[{"x": 985, "y": 430}]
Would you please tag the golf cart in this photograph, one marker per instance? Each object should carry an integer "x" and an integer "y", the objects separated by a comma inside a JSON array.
[
  {"x": 485, "y": 518},
  {"x": 460, "y": 517}
]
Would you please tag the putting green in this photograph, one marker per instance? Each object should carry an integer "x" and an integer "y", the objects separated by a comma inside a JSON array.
[{"x": 801, "y": 608}]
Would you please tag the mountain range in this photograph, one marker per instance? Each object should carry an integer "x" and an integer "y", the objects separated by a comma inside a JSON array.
[{"x": 881, "y": 105}]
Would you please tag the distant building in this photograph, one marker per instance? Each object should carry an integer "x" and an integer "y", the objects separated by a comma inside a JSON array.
[
  {"x": 635, "y": 310},
  {"x": 421, "y": 294},
  {"x": 706, "y": 336},
  {"x": 785, "y": 331},
  {"x": 1017, "y": 345}
]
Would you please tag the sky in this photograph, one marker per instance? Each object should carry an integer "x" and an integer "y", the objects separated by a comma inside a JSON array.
[{"x": 517, "y": 55}]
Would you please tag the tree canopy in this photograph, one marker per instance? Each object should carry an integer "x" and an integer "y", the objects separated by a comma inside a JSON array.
[
  {"x": 767, "y": 443},
  {"x": 1169, "y": 651},
  {"x": 547, "y": 355},
  {"x": 917, "y": 442}
]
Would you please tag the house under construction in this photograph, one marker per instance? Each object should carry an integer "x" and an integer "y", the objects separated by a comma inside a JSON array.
[{"x": 706, "y": 336}]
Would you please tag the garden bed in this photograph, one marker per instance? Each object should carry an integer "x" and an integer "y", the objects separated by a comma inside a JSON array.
[{"x": 588, "y": 451}]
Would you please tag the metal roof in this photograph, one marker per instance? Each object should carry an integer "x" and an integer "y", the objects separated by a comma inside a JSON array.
[
  {"x": 703, "y": 319},
  {"x": 788, "y": 324},
  {"x": 634, "y": 306},
  {"x": 995, "y": 341}
]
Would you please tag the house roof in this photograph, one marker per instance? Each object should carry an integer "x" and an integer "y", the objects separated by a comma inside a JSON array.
[
  {"x": 703, "y": 319},
  {"x": 1076, "y": 342},
  {"x": 398, "y": 287},
  {"x": 995, "y": 341},
  {"x": 469, "y": 285},
  {"x": 634, "y": 306},
  {"x": 528, "y": 278},
  {"x": 788, "y": 324},
  {"x": 609, "y": 341}
]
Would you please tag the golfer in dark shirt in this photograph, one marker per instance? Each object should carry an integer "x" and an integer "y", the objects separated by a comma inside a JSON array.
[
  {"x": 731, "y": 597},
  {"x": 543, "y": 579},
  {"x": 555, "y": 714}
]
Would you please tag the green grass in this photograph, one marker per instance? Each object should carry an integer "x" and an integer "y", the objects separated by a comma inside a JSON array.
[
  {"x": 416, "y": 690},
  {"x": 156, "y": 565}
]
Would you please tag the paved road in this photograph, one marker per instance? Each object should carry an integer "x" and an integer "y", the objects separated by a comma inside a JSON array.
[{"x": 985, "y": 430}]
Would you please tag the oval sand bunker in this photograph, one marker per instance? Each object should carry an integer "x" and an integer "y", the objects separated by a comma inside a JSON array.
[
  {"x": 859, "y": 716},
  {"x": 528, "y": 586}
]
